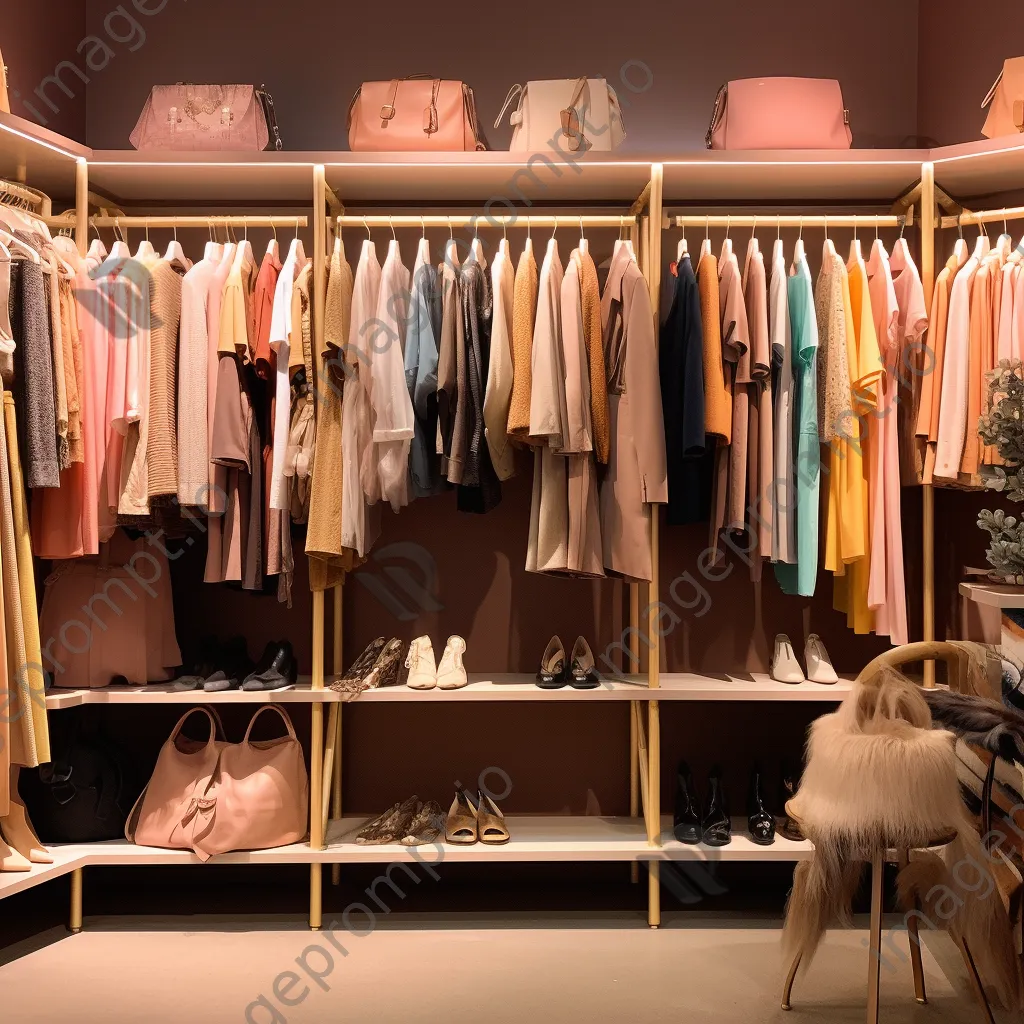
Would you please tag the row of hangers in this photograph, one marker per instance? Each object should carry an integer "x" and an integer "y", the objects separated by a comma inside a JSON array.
[{"x": 17, "y": 213}]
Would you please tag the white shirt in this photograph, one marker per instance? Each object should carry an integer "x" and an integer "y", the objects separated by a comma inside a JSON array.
[{"x": 280, "y": 342}]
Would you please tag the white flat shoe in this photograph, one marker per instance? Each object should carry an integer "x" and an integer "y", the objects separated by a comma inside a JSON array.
[
  {"x": 451, "y": 673},
  {"x": 819, "y": 665},
  {"x": 785, "y": 667},
  {"x": 421, "y": 665}
]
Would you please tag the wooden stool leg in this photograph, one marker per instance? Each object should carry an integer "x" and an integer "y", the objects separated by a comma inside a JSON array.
[
  {"x": 979, "y": 988},
  {"x": 875, "y": 938},
  {"x": 915, "y": 942},
  {"x": 787, "y": 992}
]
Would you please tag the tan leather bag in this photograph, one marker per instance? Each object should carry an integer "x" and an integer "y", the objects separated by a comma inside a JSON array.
[
  {"x": 214, "y": 797},
  {"x": 1005, "y": 101},
  {"x": 414, "y": 115},
  {"x": 5, "y": 102}
]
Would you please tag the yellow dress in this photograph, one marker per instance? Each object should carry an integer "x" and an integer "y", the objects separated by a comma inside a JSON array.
[{"x": 851, "y": 587}]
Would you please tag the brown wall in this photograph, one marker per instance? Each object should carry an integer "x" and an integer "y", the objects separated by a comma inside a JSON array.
[
  {"x": 36, "y": 37},
  {"x": 313, "y": 55},
  {"x": 960, "y": 54}
]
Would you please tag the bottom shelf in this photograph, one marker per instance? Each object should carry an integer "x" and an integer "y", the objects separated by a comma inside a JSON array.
[{"x": 534, "y": 839}]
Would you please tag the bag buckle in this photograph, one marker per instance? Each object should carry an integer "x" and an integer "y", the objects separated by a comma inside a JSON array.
[
  {"x": 386, "y": 113},
  {"x": 430, "y": 120}
]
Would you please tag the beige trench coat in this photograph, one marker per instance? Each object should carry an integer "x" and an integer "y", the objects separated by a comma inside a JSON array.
[{"x": 637, "y": 474}]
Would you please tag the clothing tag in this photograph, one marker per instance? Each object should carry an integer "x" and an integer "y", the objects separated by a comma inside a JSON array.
[{"x": 674, "y": 269}]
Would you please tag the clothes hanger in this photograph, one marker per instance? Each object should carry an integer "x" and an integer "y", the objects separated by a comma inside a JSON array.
[
  {"x": 553, "y": 241},
  {"x": 339, "y": 248},
  {"x": 705, "y": 246},
  {"x": 503, "y": 244},
  {"x": 243, "y": 250},
  {"x": 584, "y": 244},
  {"x": 828, "y": 250},
  {"x": 856, "y": 256},
  {"x": 1004, "y": 243},
  {"x": 175, "y": 255},
  {"x": 369, "y": 249},
  {"x": 97, "y": 250},
  {"x": 477, "y": 250},
  {"x": 146, "y": 252},
  {"x": 273, "y": 248},
  {"x": 296, "y": 251},
  {"x": 214, "y": 250},
  {"x": 960, "y": 248},
  {"x": 21, "y": 246},
  {"x": 727, "y": 250},
  {"x": 982, "y": 246},
  {"x": 423, "y": 251},
  {"x": 798, "y": 250},
  {"x": 120, "y": 250},
  {"x": 620, "y": 242},
  {"x": 528, "y": 248},
  {"x": 779, "y": 252}
]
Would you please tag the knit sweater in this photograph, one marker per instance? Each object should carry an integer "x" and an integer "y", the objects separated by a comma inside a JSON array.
[
  {"x": 524, "y": 317},
  {"x": 600, "y": 423},
  {"x": 162, "y": 442}
]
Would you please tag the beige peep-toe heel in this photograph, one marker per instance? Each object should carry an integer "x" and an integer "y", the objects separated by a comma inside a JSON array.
[
  {"x": 460, "y": 828},
  {"x": 490, "y": 822}
]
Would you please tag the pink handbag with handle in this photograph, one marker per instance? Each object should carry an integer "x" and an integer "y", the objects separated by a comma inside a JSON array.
[
  {"x": 216, "y": 797},
  {"x": 413, "y": 115},
  {"x": 780, "y": 113}
]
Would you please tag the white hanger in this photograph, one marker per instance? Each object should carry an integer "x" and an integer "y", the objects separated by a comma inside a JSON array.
[
  {"x": 274, "y": 250},
  {"x": 828, "y": 250},
  {"x": 146, "y": 251},
  {"x": 682, "y": 249},
  {"x": 451, "y": 250},
  {"x": 553, "y": 241},
  {"x": 855, "y": 254},
  {"x": 119, "y": 250},
  {"x": 799, "y": 253},
  {"x": 24, "y": 247},
  {"x": 244, "y": 253},
  {"x": 175, "y": 255},
  {"x": 503, "y": 244},
  {"x": 528, "y": 247},
  {"x": 727, "y": 250},
  {"x": 982, "y": 246},
  {"x": 296, "y": 251},
  {"x": 477, "y": 249},
  {"x": 97, "y": 250},
  {"x": 584, "y": 244},
  {"x": 705, "y": 246},
  {"x": 779, "y": 252}
]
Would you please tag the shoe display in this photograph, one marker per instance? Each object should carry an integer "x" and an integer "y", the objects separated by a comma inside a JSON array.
[
  {"x": 717, "y": 825},
  {"x": 451, "y": 673},
  {"x": 785, "y": 667},
  {"x": 426, "y": 827},
  {"x": 583, "y": 669},
  {"x": 786, "y": 826},
  {"x": 819, "y": 665},
  {"x": 686, "y": 819},
  {"x": 233, "y": 666},
  {"x": 460, "y": 827},
  {"x": 386, "y": 668},
  {"x": 421, "y": 665},
  {"x": 552, "y": 674},
  {"x": 490, "y": 822},
  {"x": 276, "y": 669},
  {"x": 760, "y": 821}
]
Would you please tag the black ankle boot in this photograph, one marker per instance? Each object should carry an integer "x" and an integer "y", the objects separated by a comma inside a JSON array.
[
  {"x": 760, "y": 821},
  {"x": 786, "y": 826},
  {"x": 686, "y": 821},
  {"x": 717, "y": 825}
]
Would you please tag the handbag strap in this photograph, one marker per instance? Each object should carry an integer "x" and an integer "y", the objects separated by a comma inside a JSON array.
[
  {"x": 716, "y": 117},
  {"x": 513, "y": 93},
  {"x": 992, "y": 92},
  {"x": 216, "y": 726},
  {"x": 280, "y": 711}
]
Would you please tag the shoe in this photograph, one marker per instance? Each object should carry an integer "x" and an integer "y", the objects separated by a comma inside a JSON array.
[
  {"x": 460, "y": 827},
  {"x": 276, "y": 670},
  {"x": 385, "y": 827},
  {"x": 451, "y": 673},
  {"x": 386, "y": 668},
  {"x": 760, "y": 822},
  {"x": 233, "y": 666},
  {"x": 583, "y": 671},
  {"x": 426, "y": 825},
  {"x": 686, "y": 820},
  {"x": 19, "y": 833},
  {"x": 786, "y": 826},
  {"x": 717, "y": 825},
  {"x": 362, "y": 665},
  {"x": 552, "y": 674},
  {"x": 202, "y": 667},
  {"x": 819, "y": 665},
  {"x": 785, "y": 667},
  {"x": 490, "y": 822},
  {"x": 421, "y": 665}
]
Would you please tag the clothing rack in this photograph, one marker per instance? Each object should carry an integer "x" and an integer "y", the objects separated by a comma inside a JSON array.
[
  {"x": 156, "y": 223},
  {"x": 984, "y": 217},
  {"x": 531, "y": 220},
  {"x": 788, "y": 221}
]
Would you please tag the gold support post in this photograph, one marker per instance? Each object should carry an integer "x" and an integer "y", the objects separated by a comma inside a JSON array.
[
  {"x": 75, "y": 922},
  {"x": 316, "y": 782},
  {"x": 928, "y": 496},
  {"x": 339, "y": 668},
  {"x": 82, "y": 206}
]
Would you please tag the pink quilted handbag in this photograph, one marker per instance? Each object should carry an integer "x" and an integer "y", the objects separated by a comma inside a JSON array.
[
  {"x": 216, "y": 797},
  {"x": 780, "y": 113},
  {"x": 413, "y": 115}
]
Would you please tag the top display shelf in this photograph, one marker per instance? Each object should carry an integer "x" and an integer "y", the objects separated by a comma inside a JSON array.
[{"x": 153, "y": 180}]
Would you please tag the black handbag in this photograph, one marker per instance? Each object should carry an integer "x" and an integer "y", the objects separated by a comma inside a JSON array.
[{"x": 84, "y": 794}]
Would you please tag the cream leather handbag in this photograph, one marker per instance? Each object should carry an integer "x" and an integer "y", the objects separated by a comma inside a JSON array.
[
  {"x": 1005, "y": 101},
  {"x": 571, "y": 114},
  {"x": 5, "y": 103}
]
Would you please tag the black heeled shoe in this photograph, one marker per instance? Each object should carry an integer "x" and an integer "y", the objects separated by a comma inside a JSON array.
[
  {"x": 717, "y": 825},
  {"x": 786, "y": 826},
  {"x": 686, "y": 820},
  {"x": 553, "y": 673},
  {"x": 760, "y": 822}
]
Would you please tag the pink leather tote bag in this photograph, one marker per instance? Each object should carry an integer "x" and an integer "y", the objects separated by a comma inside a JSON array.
[
  {"x": 216, "y": 797},
  {"x": 413, "y": 115},
  {"x": 780, "y": 113}
]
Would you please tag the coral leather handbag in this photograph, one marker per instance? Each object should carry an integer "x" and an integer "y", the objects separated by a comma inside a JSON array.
[
  {"x": 5, "y": 102},
  {"x": 1005, "y": 101},
  {"x": 780, "y": 113}
]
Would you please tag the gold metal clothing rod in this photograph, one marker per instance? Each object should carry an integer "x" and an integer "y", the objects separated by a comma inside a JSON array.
[
  {"x": 155, "y": 223},
  {"x": 787, "y": 221},
  {"x": 482, "y": 221},
  {"x": 984, "y": 217}
]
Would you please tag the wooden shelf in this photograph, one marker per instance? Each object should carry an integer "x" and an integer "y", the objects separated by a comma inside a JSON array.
[
  {"x": 38, "y": 157},
  {"x": 482, "y": 687},
  {"x": 980, "y": 168},
  {"x": 993, "y": 595}
]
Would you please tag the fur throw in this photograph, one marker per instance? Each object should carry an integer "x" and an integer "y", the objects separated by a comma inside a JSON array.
[
  {"x": 879, "y": 777},
  {"x": 978, "y": 720}
]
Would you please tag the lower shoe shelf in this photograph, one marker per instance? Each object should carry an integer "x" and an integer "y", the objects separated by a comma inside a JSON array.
[{"x": 550, "y": 839}]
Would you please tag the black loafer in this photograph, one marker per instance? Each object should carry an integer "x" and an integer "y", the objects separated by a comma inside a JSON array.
[{"x": 552, "y": 674}]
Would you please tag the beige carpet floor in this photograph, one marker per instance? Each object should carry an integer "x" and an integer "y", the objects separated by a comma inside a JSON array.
[{"x": 413, "y": 970}]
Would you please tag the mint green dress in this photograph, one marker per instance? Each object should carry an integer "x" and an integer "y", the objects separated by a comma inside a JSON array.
[{"x": 800, "y": 577}]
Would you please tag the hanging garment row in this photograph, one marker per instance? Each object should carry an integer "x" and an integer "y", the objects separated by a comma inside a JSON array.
[
  {"x": 193, "y": 400},
  {"x": 434, "y": 378},
  {"x": 757, "y": 374},
  {"x": 977, "y": 322}
]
